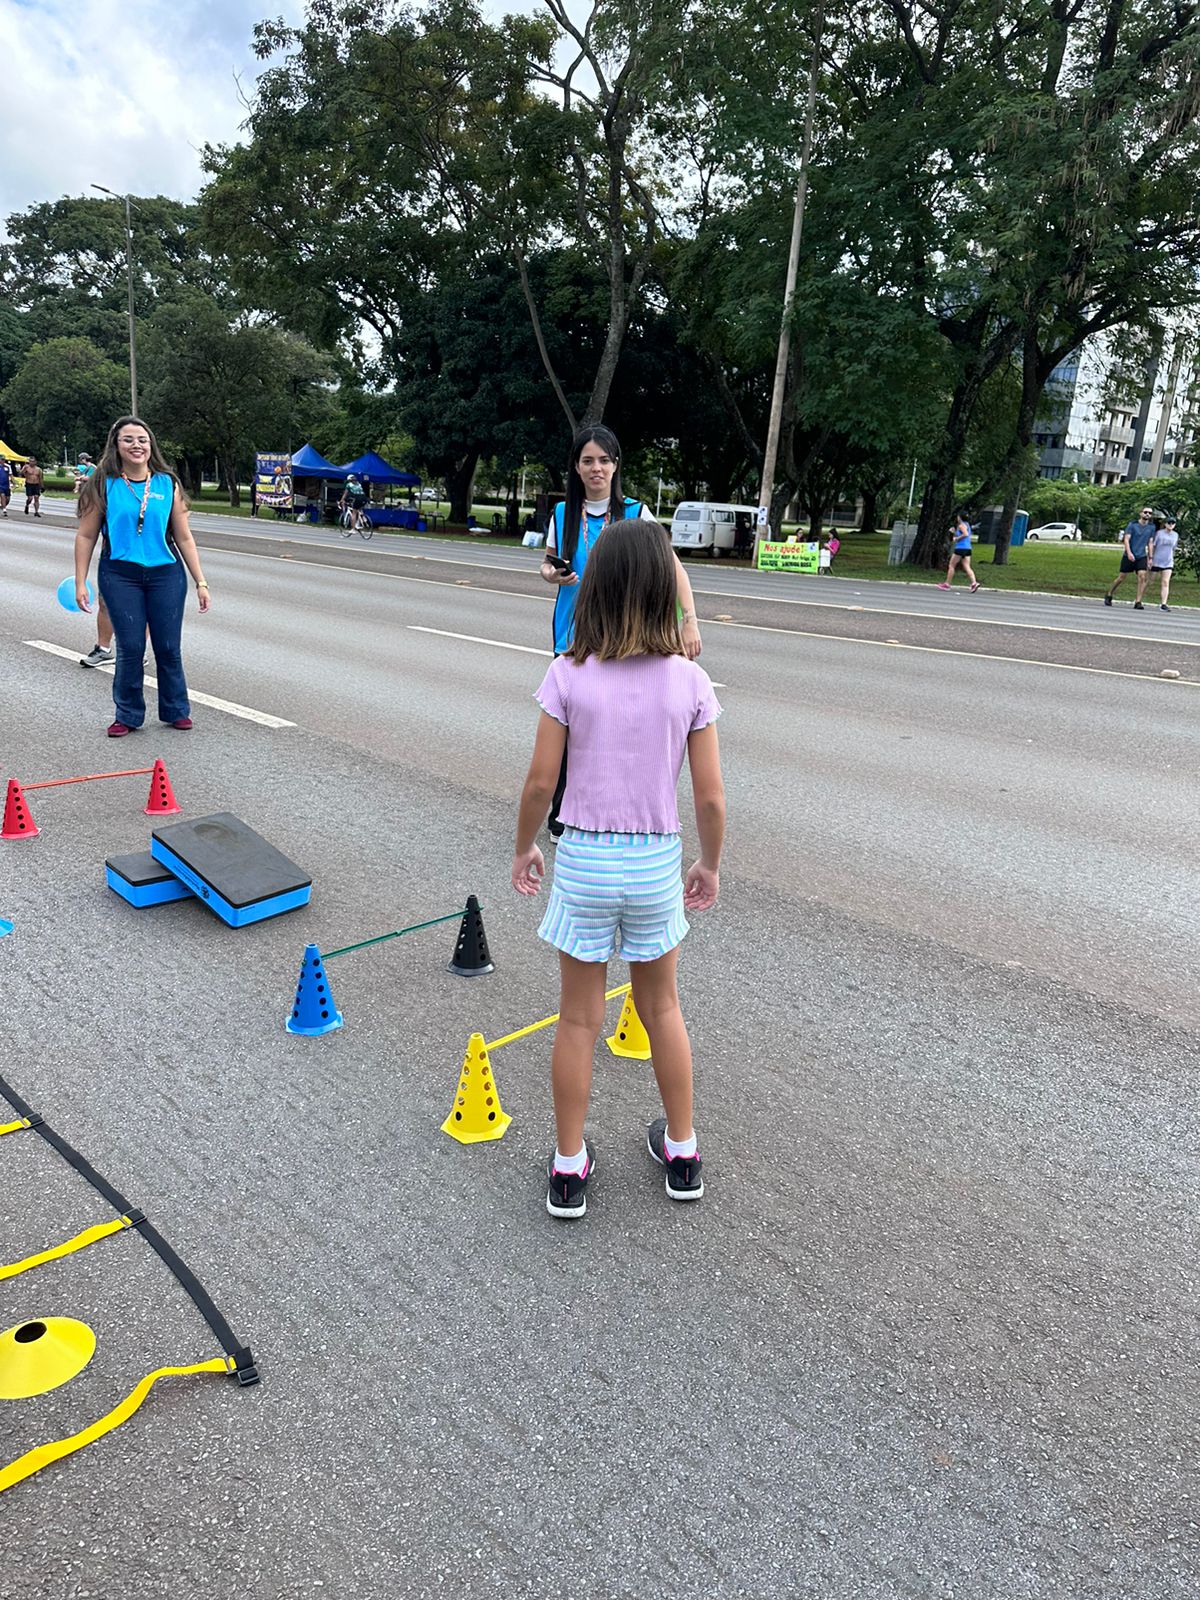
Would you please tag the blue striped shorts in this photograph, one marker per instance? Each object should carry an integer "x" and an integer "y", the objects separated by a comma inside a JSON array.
[{"x": 615, "y": 894}]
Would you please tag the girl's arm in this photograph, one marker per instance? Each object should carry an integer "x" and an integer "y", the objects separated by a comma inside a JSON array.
[
  {"x": 703, "y": 882},
  {"x": 528, "y": 866},
  {"x": 691, "y": 628},
  {"x": 85, "y": 543},
  {"x": 181, "y": 532}
]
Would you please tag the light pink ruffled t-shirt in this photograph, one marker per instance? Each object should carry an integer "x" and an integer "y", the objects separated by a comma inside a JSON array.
[{"x": 628, "y": 725}]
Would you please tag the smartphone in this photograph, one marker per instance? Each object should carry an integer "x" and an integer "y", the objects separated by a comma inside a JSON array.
[{"x": 556, "y": 561}]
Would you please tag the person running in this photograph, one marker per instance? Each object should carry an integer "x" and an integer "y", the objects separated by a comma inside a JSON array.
[
  {"x": 631, "y": 703},
  {"x": 960, "y": 556},
  {"x": 594, "y": 499},
  {"x": 1135, "y": 556},
  {"x": 35, "y": 481},
  {"x": 84, "y": 468},
  {"x": 136, "y": 504},
  {"x": 1162, "y": 558},
  {"x": 5, "y": 486}
]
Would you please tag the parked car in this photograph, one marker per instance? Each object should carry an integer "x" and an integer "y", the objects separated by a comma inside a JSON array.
[
  {"x": 706, "y": 525},
  {"x": 430, "y": 493},
  {"x": 1065, "y": 531}
]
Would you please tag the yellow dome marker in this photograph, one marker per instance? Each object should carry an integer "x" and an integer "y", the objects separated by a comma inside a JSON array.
[
  {"x": 38, "y": 1356},
  {"x": 631, "y": 1039}
]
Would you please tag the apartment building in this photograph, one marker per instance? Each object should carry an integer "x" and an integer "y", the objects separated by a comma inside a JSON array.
[{"x": 1090, "y": 432}]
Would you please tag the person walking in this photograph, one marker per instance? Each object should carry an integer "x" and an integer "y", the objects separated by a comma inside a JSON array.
[
  {"x": 135, "y": 503},
  {"x": 594, "y": 500},
  {"x": 1135, "y": 556},
  {"x": 631, "y": 704},
  {"x": 5, "y": 486},
  {"x": 35, "y": 481},
  {"x": 960, "y": 556},
  {"x": 1162, "y": 558}
]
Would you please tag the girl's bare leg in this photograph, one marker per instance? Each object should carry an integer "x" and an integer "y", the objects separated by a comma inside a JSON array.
[
  {"x": 581, "y": 1017},
  {"x": 656, "y": 996}
]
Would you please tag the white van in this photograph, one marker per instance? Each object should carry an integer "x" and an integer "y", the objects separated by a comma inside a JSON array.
[{"x": 707, "y": 525}]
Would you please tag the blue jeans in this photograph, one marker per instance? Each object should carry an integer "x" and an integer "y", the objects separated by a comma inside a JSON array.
[{"x": 138, "y": 597}]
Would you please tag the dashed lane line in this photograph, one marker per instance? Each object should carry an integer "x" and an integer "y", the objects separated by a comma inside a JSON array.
[
  {"x": 214, "y": 702},
  {"x": 500, "y": 644}
]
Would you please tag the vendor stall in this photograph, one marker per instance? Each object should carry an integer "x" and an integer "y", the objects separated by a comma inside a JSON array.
[
  {"x": 378, "y": 474},
  {"x": 316, "y": 485}
]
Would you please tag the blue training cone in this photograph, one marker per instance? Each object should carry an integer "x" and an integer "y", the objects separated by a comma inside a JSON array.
[
  {"x": 5, "y": 927},
  {"x": 313, "y": 1012}
]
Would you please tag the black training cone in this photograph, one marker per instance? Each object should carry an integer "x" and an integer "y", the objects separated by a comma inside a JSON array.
[{"x": 471, "y": 958}]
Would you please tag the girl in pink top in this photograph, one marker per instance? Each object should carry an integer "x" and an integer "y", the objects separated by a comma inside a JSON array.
[{"x": 629, "y": 704}]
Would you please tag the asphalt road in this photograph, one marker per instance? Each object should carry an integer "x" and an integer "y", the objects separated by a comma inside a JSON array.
[{"x": 931, "y": 1331}]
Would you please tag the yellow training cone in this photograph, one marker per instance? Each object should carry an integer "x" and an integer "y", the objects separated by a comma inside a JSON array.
[
  {"x": 630, "y": 1039},
  {"x": 36, "y": 1357},
  {"x": 476, "y": 1114}
]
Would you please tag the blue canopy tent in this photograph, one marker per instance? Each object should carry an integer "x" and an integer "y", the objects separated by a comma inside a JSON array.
[
  {"x": 376, "y": 471},
  {"x": 308, "y": 463}
]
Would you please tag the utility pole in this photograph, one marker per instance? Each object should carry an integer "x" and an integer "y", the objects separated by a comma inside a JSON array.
[
  {"x": 133, "y": 403},
  {"x": 771, "y": 452}
]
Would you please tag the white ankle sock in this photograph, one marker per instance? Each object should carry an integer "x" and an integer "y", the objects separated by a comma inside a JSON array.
[
  {"x": 684, "y": 1147},
  {"x": 574, "y": 1164}
]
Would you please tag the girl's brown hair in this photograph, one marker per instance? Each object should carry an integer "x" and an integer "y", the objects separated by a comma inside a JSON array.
[
  {"x": 95, "y": 490},
  {"x": 627, "y": 604}
]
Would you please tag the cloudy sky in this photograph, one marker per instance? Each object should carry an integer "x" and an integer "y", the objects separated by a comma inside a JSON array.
[{"x": 123, "y": 92}]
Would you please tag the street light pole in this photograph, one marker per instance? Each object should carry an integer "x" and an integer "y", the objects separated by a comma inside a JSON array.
[
  {"x": 133, "y": 403},
  {"x": 771, "y": 453}
]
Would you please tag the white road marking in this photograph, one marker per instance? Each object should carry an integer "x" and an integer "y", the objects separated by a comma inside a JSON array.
[
  {"x": 500, "y": 644},
  {"x": 970, "y": 655},
  {"x": 881, "y": 609},
  {"x": 470, "y": 638},
  {"x": 756, "y": 627},
  {"x": 247, "y": 713},
  {"x": 749, "y": 595}
]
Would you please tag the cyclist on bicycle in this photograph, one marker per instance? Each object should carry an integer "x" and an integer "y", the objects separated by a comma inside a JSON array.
[{"x": 354, "y": 498}]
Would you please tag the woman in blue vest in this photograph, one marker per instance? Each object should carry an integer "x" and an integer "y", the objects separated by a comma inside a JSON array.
[
  {"x": 594, "y": 499},
  {"x": 135, "y": 504}
]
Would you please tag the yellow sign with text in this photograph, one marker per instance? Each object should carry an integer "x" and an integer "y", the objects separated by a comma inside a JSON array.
[{"x": 779, "y": 557}]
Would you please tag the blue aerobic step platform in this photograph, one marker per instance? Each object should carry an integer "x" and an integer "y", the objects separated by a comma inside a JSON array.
[
  {"x": 143, "y": 881},
  {"x": 232, "y": 869}
]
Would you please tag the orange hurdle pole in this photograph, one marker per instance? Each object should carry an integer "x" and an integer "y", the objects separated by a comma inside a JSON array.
[{"x": 90, "y": 777}]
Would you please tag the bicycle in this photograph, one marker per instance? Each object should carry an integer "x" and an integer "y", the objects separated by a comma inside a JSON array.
[{"x": 365, "y": 526}]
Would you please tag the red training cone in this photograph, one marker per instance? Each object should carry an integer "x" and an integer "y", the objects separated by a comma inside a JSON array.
[
  {"x": 18, "y": 824},
  {"x": 162, "y": 801}
]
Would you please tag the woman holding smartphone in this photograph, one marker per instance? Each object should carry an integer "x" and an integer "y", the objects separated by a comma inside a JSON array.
[{"x": 594, "y": 499}]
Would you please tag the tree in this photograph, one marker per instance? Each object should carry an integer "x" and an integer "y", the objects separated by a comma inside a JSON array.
[
  {"x": 228, "y": 390},
  {"x": 64, "y": 265},
  {"x": 66, "y": 392}
]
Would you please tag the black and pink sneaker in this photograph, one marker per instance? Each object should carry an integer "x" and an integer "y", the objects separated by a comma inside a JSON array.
[
  {"x": 566, "y": 1195},
  {"x": 683, "y": 1172}
]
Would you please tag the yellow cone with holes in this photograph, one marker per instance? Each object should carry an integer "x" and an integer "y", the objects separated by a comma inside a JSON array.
[
  {"x": 476, "y": 1115},
  {"x": 631, "y": 1039},
  {"x": 36, "y": 1357}
]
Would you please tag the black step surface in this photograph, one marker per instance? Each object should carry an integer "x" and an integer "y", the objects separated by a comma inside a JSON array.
[
  {"x": 232, "y": 859},
  {"x": 140, "y": 869}
]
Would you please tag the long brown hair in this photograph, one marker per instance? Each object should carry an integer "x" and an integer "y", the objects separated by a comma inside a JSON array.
[
  {"x": 627, "y": 601},
  {"x": 593, "y": 433},
  {"x": 95, "y": 490}
]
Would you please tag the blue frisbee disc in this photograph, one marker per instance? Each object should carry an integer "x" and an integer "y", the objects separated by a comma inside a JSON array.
[{"x": 66, "y": 595}]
